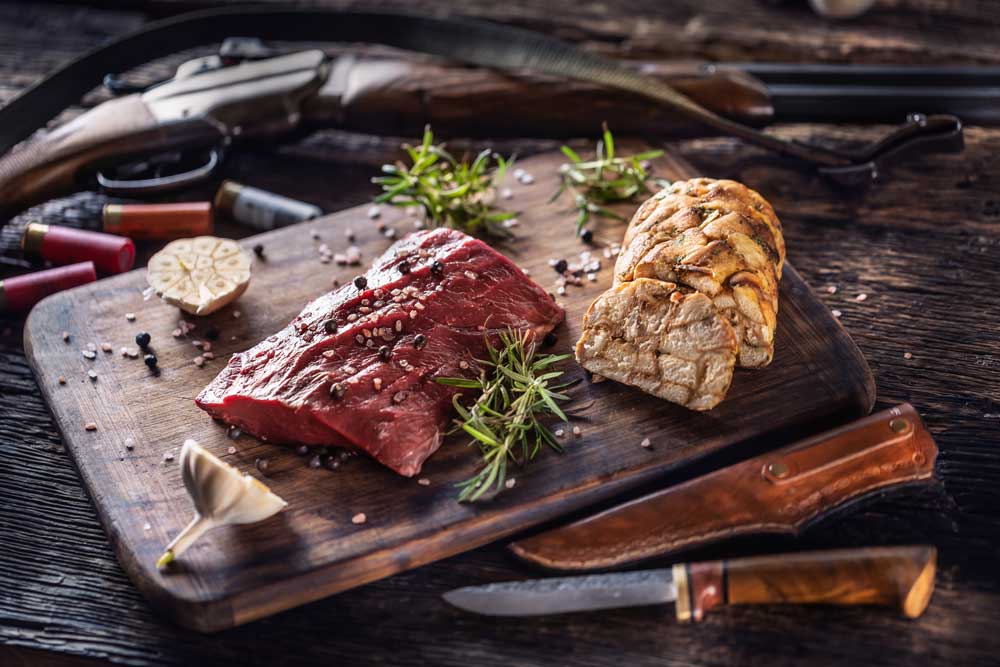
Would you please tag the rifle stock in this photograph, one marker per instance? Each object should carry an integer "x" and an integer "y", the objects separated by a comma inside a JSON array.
[
  {"x": 391, "y": 96},
  {"x": 60, "y": 161}
]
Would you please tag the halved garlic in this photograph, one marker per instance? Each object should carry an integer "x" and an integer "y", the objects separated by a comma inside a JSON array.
[
  {"x": 221, "y": 496},
  {"x": 200, "y": 275}
]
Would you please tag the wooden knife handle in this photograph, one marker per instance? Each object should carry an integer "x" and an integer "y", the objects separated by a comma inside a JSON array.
[
  {"x": 901, "y": 577},
  {"x": 778, "y": 492}
]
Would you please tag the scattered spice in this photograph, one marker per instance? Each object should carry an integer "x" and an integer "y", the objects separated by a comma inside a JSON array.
[
  {"x": 907, "y": 355},
  {"x": 377, "y": 383},
  {"x": 302, "y": 450},
  {"x": 143, "y": 338},
  {"x": 374, "y": 212},
  {"x": 836, "y": 313},
  {"x": 361, "y": 282},
  {"x": 359, "y": 518},
  {"x": 861, "y": 297},
  {"x": 645, "y": 444},
  {"x": 560, "y": 266},
  {"x": 423, "y": 481},
  {"x": 150, "y": 360},
  {"x": 88, "y": 354},
  {"x": 236, "y": 314},
  {"x": 831, "y": 289},
  {"x": 587, "y": 236},
  {"x": 315, "y": 461},
  {"x": 62, "y": 380},
  {"x": 337, "y": 390},
  {"x": 419, "y": 341},
  {"x": 199, "y": 361},
  {"x": 385, "y": 353},
  {"x": 231, "y": 449},
  {"x": 258, "y": 250},
  {"x": 65, "y": 336},
  {"x": 92, "y": 374},
  {"x": 106, "y": 348},
  {"x": 90, "y": 426},
  {"x": 169, "y": 456},
  {"x": 437, "y": 268},
  {"x": 129, "y": 444},
  {"x": 577, "y": 431},
  {"x": 510, "y": 483}
]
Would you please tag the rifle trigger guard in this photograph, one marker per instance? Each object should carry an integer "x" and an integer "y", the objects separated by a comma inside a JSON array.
[
  {"x": 146, "y": 186},
  {"x": 920, "y": 135}
]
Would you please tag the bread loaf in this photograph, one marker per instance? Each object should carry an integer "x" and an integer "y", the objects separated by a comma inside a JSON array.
[{"x": 697, "y": 243}]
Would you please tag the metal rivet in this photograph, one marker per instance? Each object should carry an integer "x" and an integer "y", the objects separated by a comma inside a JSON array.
[
  {"x": 779, "y": 470},
  {"x": 899, "y": 425}
]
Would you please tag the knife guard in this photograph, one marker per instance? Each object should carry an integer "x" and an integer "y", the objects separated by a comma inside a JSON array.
[{"x": 777, "y": 492}]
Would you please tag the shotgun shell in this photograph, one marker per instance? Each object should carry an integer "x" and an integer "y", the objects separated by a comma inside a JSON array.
[
  {"x": 159, "y": 222},
  {"x": 260, "y": 209},
  {"x": 20, "y": 293},
  {"x": 65, "y": 245}
]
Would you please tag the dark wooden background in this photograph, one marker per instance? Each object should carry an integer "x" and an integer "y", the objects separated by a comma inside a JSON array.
[{"x": 923, "y": 248}]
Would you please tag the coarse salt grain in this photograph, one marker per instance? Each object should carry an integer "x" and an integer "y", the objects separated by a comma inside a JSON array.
[
  {"x": 90, "y": 426},
  {"x": 147, "y": 526},
  {"x": 576, "y": 430},
  {"x": 62, "y": 380},
  {"x": 506, "y": 193},
  {"x": 199, "y": 361},
  {"x": 236, "y": 314},
  {"x": 92, "y": 374},
  {"x": 510, "y": 483},
  {"x": 359, "y": 518},
  {"x": 377, "y": 383},
  {"x": 836, "y": 313},
  {"x": 832, "y": 289},
  {"x": 423, "y": 481},
  {"x": 208, "y": 355},
  {"x": 907, "y": 355},
  {"x": 374, "y": 212},
  {"x": 861, "y": 297},
  {"x": 645, "y": 444},
  {"x": 88, "y": 354},
  {"x": 65, "y": 336},
  {"x": 176, "y": 333},
  {"x": 560, "y": 433},
  {"x": 169, "y": 456},
  {"x": 130, "y": 317},
  {"x": 231, "y": 449}
]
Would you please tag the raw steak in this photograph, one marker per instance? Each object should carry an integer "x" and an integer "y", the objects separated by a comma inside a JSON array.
[{"x": 357, "y": 367}]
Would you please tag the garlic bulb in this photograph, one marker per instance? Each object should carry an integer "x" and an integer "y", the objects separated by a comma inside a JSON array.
[{"x": 221, "y": 496}]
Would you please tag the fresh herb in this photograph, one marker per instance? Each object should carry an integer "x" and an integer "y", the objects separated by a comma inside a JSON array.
[
  {"x": 451, "y": 193},
  {"x": 517, "y": 390},
  {"x": 606, "y": 179}
]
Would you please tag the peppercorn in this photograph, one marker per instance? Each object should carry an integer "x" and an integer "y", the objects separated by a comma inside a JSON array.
[
  {"x": 315, "y": 462},
  {"x": 337, "y": 390},
  {"x": 330, "y": 326},
  {"x": 550, "y": 339},
  {"x": 212, "y": 332},
  {"x": 561, "y": 266},
  {"x": 302, "y": 450},
  {"x": 142, "y": 339},
  {"x": 437, "y": 268},
  {"x": 385, "y": 353},
  {"x": 331, "y": 463},
  {"x": 419, "y": 341},
  {"x": 586, "y": 236},
  {"x": 361, "y": 282},
  {"x": 262, "y": 464},
  {"x": 259, "y": 250},
  {"x": 150, "y": 360},
  {"x": 404, "y": 267}
]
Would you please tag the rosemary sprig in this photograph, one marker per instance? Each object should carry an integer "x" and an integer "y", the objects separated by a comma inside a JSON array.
[
  {"x": 604, "y": 180},
  {"x": 517, "y": 390},
  {"x": 451, "y": 193}
]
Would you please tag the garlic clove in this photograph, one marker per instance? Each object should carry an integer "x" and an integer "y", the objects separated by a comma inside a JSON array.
[{"x": 221, "y": 496}]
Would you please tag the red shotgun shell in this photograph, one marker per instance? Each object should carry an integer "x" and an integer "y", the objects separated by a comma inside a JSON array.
[
  {"x": 65, "y": 245},
  {"x": 20, "y": 293}
]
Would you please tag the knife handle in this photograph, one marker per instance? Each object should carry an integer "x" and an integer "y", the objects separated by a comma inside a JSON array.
[{"x": 901, "y": 577}]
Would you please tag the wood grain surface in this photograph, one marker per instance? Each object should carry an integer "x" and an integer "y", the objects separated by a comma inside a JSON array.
[
  {"x": 921, "y": 246},
  {"x": 313, "y": 549}
]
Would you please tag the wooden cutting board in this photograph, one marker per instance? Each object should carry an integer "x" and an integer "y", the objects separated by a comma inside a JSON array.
[{"x": 312, "y": 549}]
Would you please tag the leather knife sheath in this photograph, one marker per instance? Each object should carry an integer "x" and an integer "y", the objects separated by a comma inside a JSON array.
[{"x": 777, "y": 492}]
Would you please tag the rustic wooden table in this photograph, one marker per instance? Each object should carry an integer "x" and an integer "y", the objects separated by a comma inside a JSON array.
[{"x": 922, "y": 246}]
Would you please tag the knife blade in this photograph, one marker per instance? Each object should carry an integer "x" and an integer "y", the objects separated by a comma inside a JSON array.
[
  {"x": 902, "y": 577},
  {"x": 778, "y": 492}
]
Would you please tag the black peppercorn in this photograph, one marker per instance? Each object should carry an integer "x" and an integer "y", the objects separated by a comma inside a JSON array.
[
  {"x": 150, "y": 360},
  {"x": 142, "y": 339},
  {"x": 586, "y": 236},
  {"x": 561, "y": 266},
  {"x": 385, "y": 353},
  {"x": 361, "y": 282},
  {"x": 550, "y": 339},
  {"x": 212, "y": 332},
  {"x": 337, "y": 390},
  {"x": 262, "y": 464},
  {"x": 331, "y": 463},
  {"x": 259, "y": 250},
  {"x": 419, "y": 341},
  {"x": 315, "y": 462},
  {"x": 302, "y": 450},
  {"x": 437, "y": 268},
  {"x": 404, "y": 267},
  {"x": 330, "y": 326}
]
